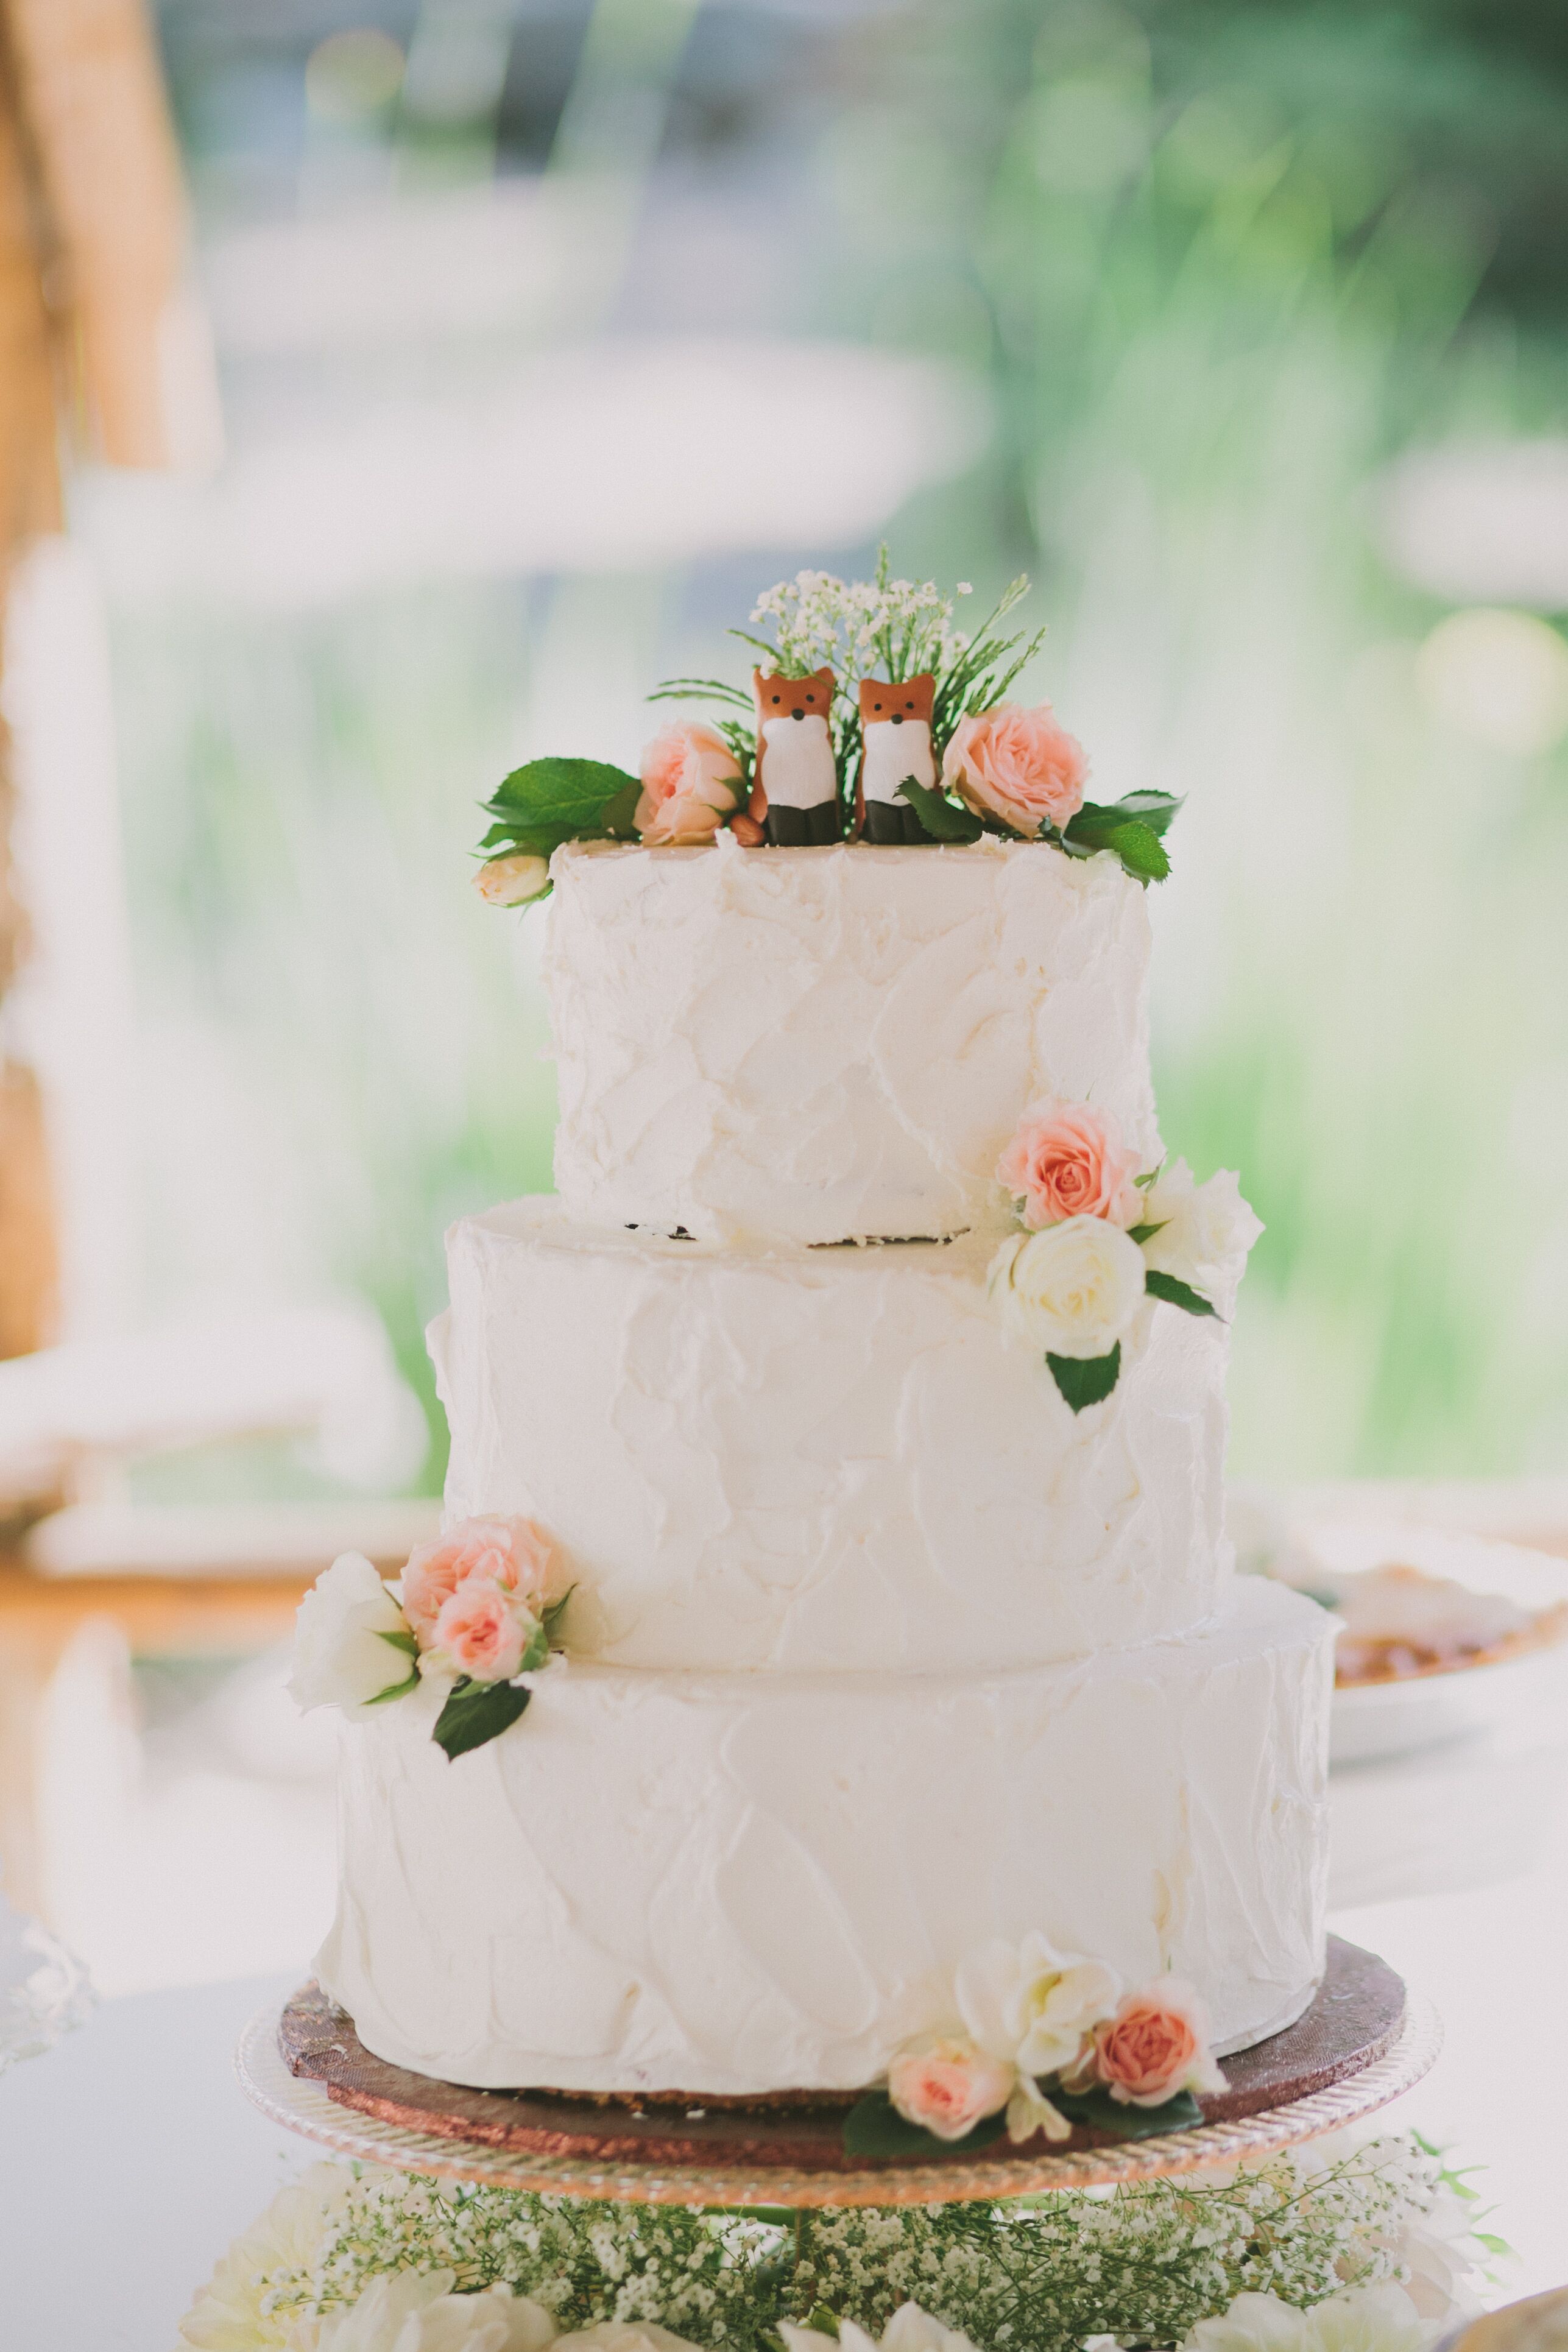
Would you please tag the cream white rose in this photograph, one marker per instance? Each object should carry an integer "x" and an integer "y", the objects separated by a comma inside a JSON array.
[
  {"x": 1033, "y": 2004},
  {"x": 340, "y": 1655},
  {"x": 512, "y": 881},
  {"x": 1071, "y": 1290},
  {"x": 417, "y": 2311},
  {"x": 1206, "y": 1230}
]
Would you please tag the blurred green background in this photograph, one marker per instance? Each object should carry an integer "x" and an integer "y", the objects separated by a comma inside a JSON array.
[{"x": 1244, "y": 327}]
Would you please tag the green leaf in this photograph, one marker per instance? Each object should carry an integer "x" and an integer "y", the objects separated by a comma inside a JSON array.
[
  {"x": 1101, "y": 2112},
  {"x": 1178, "y": 1293},
  {"x": 942, "y": 818},
  {"x": 402, "y": 1640},
  {"x": 618, "y": 815},
  {"x": 1086, "y": 1379},
  {"x": 395, "y": 1690},
  {"x": 564, "y": 796},
  {"x": 1141, "y": 851},
  {"x": 556, "y": 1610},
  {"x": 1150, "y": 1176},
  {"x": 476, "y": 1713},
  {"x": 1135, "y": 840},
  {"x": 537, "y": 1652},
  {"x": 874, "y": 2127},
  {"x": 1156, "y": 809},
  {"x": 1146, "y": 1232},
  {"x": 521, "y": 840}
]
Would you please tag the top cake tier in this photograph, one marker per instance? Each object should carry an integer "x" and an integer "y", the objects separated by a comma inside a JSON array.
[{"x": 833, "y": 1044}]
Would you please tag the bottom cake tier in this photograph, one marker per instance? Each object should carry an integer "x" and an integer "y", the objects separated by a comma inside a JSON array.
[{"x": 751, "y": 1883}]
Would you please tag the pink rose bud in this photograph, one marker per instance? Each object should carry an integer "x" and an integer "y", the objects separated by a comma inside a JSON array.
[
  {"x": 949, "y": 2085},
  {"x": 482, "y": 1631},
  {"x": 514, "y": 1554},
  {"x": 1069, "y": 1160},
  {"x": 1156, "y": 2044},
  {"x": 1017, "y": 765},
  {"x": 690, "y": 782}
]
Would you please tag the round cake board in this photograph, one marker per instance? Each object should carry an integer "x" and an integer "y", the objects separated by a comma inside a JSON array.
[{"x": 1363, "y": 2041}]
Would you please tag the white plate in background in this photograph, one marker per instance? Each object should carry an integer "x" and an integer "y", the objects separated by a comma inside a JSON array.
[{"x": 1372, "y": 1720}]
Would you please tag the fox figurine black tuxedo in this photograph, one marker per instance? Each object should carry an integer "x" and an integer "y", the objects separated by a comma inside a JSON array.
[
  {"x": 794, "y": 795},
  {"x": 895, "y": 734}
]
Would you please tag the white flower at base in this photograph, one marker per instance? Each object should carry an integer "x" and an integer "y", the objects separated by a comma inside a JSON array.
[
  {"x": 237, "y": 2310},
  {"x": 341, "y": 1657},
  {"x": 911, "y": 2329},
  {"x": 512, "y": 881},
  {"x": 1032, "y": 2004},
  {"x": 417, "y": 2311},
  {"x": 1206, "y": 1229},
  {"x": 1438, "y": 2254},
  {"x": 1364, "y": 2319},
  {"x": 624, "y": 2336},
  {"x": 1070, "y": 1290}
]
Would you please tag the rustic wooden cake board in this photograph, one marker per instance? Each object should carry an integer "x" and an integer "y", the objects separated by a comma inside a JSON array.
[{"x": 1361, "y": 2044}]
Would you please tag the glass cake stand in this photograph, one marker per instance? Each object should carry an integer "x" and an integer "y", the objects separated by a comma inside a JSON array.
[{"x": 1365, "y": 2041}]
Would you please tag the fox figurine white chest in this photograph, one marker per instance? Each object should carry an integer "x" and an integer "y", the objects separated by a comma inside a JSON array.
[
  {"x": 895, "y": 735},
  {"x": 796, "y": 795}
]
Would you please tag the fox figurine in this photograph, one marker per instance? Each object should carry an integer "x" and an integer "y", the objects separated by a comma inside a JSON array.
[
  {"x": 895, "y": 734},
  {"x": 794, "y": 795}
]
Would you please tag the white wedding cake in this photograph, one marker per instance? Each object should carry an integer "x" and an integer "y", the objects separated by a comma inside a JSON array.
[{"x": 901, "y": 1625}]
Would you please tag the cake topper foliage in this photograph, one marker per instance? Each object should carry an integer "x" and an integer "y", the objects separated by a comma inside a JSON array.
[{"x": 989, "y": 766}]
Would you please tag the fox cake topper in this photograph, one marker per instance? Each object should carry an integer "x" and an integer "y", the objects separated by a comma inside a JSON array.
[{"x": 870, "y": 719}]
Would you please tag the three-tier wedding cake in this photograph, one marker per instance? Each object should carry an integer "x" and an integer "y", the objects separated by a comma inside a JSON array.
[{"x": 863, "y": 1386}]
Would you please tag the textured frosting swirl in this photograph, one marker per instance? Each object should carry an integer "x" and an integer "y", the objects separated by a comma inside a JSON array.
[
  {"x": 833, "y": 1459},
  {"x": 742, "y": 1883},
  {"x": 831, "y": 1044}
]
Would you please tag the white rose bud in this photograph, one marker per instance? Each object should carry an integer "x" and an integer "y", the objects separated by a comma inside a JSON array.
[
  {"x": 341, "y": 1657},
  {"x": 1206, "y": 1230},
  {"x": 1071, "y": 1290},
  {"x": 512, "y": 881}
]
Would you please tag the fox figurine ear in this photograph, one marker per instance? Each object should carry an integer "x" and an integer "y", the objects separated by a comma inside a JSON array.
[
  {"x": 795, "y": 792},
  {"x": 894, "y": 738}
]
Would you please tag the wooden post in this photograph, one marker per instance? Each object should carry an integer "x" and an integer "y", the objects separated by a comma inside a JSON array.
[{"x": 92, "y": 237}]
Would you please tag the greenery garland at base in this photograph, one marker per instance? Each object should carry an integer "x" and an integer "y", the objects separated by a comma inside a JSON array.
[{"x": 1145, "y": 2262}]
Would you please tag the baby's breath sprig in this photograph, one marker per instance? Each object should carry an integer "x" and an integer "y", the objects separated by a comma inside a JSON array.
[{"x": 1143, "y": 2263}]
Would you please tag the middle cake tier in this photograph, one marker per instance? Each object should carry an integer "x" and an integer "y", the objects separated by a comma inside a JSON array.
[{"x": 823, "y": 1458}]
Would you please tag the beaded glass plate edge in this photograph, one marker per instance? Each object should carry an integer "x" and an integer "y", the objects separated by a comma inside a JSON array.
[{"x": 304, "y": 2106}]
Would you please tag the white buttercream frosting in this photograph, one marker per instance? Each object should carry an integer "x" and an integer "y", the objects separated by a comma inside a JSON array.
[
  {"x": 822, "y": 1044},
  {"x": 748, "y": 1882},
  {"x": 810, "y": 1458}
]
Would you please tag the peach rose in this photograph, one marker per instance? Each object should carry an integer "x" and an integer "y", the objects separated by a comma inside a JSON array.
[
  {"x": 690, "y": 781},
  {"x": 1068, "y": 1160},
  {"x": 514, "y": 1554},
  {"x": 1016, "y": 764},
  {"x": 948, "y": 2083},
  {"x": 1154, "y": 2045},
  {"x": 484, "y": 1630}
]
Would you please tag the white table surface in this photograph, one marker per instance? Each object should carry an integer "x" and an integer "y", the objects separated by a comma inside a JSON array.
[{"x": 129, "y": 2156}]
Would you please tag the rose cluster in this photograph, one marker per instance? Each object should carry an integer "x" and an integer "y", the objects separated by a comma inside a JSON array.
[
  {"x": 1099, "y": 1236},
  {"x": 1031, "y": 2020},
  {"x": 476, "y": 1607}
]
